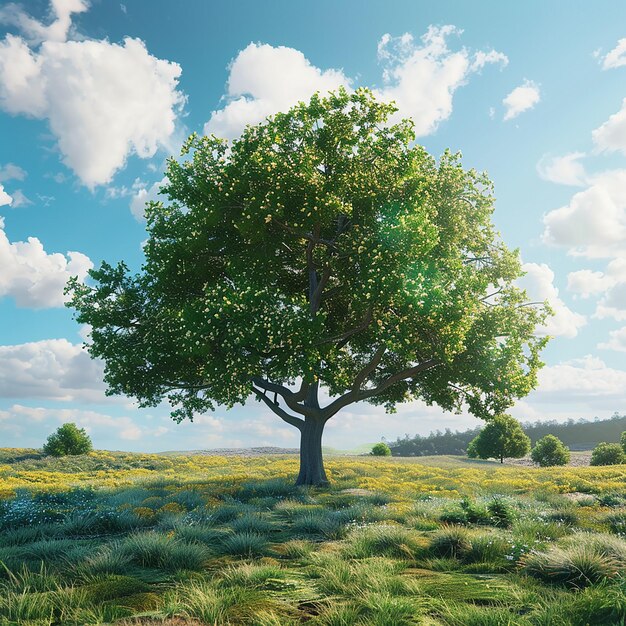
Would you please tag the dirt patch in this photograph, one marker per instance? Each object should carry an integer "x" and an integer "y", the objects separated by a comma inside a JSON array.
[{"x": 579, "y": 459}]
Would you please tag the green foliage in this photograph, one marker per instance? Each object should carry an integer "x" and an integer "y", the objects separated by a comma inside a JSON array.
[
  {"x": 401, "y": 247},
  {"x": 501, "y": 437},
  {"x": 607, "y": 454},
  {"x": 381, "y": 449},
  {"x": 549, "y": 451},
  {"x": 578, "y": 565},
  {"x": 68, "y": 439},
  {"x": 622, "y": 441}
]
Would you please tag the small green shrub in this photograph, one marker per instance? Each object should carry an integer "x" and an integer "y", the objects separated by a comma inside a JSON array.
[
  {"x": 451, "y": 543},
  {"x": 150, "y": 549},
  {"x": 245, "y": 544},
  {"x": 68, "y": 439},
  {"x": 622, "y": 441},
  {"x": 550, "y": 451},
  {"x": 607, "y": 454},
  {"x": 500, "y": 512},
  {"x": 578, "y": 565},
  {"x": 381, "y": 449}
]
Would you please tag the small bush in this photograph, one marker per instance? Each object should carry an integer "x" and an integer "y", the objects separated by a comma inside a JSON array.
[
  {"x": 578, "y": 565},
  {"x": 607, "y": 454},
  {"x": 501, "y": 513},
  {"x": 381, "y": 449},
  {"x": 451, "y": 543},
  {"x": 245, "y": 544},
  {"x": 550, "y": 451},
  {"x": 68, "y": 439}
]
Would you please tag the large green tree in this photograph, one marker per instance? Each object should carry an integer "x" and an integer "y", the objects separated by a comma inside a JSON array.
[
  {"x": 502, "y": 437},
  {"x": 320, "y": 248}
]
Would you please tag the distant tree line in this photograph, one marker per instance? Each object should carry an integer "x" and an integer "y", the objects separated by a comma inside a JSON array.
[{"x": 575, "y": 434}]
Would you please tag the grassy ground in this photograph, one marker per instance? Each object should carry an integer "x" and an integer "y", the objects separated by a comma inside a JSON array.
[{"x": 148, "y": 539}]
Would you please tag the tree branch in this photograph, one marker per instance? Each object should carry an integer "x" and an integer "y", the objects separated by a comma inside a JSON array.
[
  {"x": 368, "y": 369},
  {"x": 356, "y": 395},
  {"x": 290, "y": 419},
  {"x": 342, "y": 339},
  {"x": 292, "y": 400}
]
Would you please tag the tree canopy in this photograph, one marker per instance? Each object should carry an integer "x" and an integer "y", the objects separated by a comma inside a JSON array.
[{"x": 322, "y": 247}]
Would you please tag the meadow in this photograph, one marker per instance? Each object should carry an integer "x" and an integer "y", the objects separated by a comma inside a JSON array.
[{"x": 189, "y": 539}]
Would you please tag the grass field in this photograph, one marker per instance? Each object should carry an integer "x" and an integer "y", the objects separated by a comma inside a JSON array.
[{"x": 150, "y": 539}]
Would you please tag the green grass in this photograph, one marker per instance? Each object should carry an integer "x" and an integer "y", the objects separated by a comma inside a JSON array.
[{"x": 481, "y": 546}]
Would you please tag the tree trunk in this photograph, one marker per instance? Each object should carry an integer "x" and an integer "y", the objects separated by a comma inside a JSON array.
[
  {"x": 311, "y": 461},
  {"x": 501, "y": 459}
]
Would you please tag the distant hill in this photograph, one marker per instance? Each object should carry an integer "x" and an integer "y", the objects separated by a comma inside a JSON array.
[{"x": 577, "y": 435}]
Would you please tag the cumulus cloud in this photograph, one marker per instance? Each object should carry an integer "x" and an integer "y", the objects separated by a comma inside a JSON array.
[
  {"x": 420, "y": 76},
  {"x": 103, "y": 101},
  {"x": 593, "y": 224},
  {"x": 53, "y": 369},
  {"x": 539, "y": 285},
  {"x": 616, "y": 57},
  {"x": 587, "y": 379},
  {"x": 617, "y": 340},
  {"x": 587, "y": 283},
  {"x": 611, "y": 136},
  {"x": 264, "y": 80},
  {"x": 563, "y": 170},
  {"x": 5, "y": 198},
  {"x": 521, "y": 99},
  {"x": 33, "y": 277}
]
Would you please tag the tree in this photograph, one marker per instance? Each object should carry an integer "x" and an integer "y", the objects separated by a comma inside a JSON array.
[
  {"x": 607, "y": 454},
  {"x": 622, "y": 441},
  {"x": 550, "y": 450},
  {"x": 381, "y": 449},
  {"x": 320, "y": 248},
  {"x": 501, "y": 437},
  {"x": 68, "y": 439}
]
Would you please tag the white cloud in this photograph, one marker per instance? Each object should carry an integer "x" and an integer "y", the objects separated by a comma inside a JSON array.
[
  {"x": 103, "y": 101},
  {"x": 5, "y": 198},
  {"x": 585, "y": 380},
  {"x": 521, "y": 99},
  {"x": 611, "y": 136},
  {"x": 143, "y": 195},
  {"x": 539, "y": 285},
  {"x": 563, "y": 170},
  {"x": 616, "y": 57},
  {"x": 19, "y": 199},
  {"x": 420, "y": 77},
  {"x": 593, "y": 224},
  {"x": 10, "y": 171},
  {"x": 264, "y": 80},
  {"x": 617, "y": 340},
  {"x": 33, "y": 277},
  {"x": 588, "y": 283},
  {"x": 53, "y": 369},
  {"x": 613, "y": 304},
  {"x": 35, "y": 32}
]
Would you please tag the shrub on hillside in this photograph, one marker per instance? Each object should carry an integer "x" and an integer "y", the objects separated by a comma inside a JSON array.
[
  {"x": 607, "y": 454},
  {"x": 501, "y": 437},
  {"x": 68, "y": 440},
  {"x": 622, "y": 441},
  {"x": 549, "y": 451},
  {"x": 381, "y": 449}
]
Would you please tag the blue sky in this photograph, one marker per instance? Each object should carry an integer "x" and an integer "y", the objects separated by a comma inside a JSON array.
[{"x": 95, "y": 96}]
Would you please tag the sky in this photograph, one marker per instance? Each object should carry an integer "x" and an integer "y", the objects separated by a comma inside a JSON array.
[{"x": 95, "y": 96}]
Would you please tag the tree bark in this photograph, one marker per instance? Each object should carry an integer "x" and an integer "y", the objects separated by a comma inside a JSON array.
[{"x": 311, "y": 460}]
